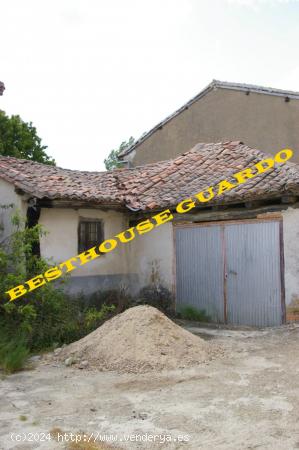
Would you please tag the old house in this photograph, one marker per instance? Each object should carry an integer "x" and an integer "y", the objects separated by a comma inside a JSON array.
[
  {"x": 264, "y": 118},
  {"x": 236, "y": 257}
]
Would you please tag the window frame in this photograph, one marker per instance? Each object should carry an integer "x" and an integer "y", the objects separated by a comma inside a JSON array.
[{"x": 81, "y": 243}]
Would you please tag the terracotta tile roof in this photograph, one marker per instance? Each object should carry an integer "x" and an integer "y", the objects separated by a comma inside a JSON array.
[
  {"x": 165, "y": 183},
  {"x": 157, "y": 185},
  {"x": 50, "y": 182}
]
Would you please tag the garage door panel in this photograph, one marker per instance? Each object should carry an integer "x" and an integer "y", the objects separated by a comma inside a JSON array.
[
  {"x": 199, "y": 269},
  {"x": 253, "y": 274},
  {"x": 232, "y": 268}
]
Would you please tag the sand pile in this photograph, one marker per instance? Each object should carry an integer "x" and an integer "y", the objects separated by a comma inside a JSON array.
[{"x": 138, "y": 340}]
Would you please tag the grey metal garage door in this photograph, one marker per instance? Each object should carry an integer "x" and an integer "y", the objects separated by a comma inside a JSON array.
[{"x": 232, "y": 271}]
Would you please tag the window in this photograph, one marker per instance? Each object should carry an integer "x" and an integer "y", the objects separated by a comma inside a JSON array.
[{"x": 90, "y": 233}]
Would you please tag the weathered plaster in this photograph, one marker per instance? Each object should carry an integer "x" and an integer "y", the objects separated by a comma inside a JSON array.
[
  {"x": 146, "y": 260},
  {"x": 291, "y": 254},
  {"x": 61, "y": 241},
  {"x": 151, "y": 256},
  {"x": 9, "y": 196}
]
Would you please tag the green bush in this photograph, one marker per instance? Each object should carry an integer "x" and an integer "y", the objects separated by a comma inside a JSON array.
[
  {"x": 13, "y": 353},
  {"x": 189, "y": 312},
  {"x": 119, "y": 298},
  {"x": 93, "y": 317},
  {"x": 43, "y": 318}
]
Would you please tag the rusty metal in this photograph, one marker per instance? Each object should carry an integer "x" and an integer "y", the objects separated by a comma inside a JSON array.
[
  {"x": 252, "y": 290},
  {"x": 282, "y": 270}
]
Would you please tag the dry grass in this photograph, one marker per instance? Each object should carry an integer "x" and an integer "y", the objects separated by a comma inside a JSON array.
[
  {"x": 55, "y": 432},
  {"x": 23, "y": 418}
]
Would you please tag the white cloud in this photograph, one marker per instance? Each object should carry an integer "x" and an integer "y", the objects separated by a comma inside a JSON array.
[
  {"x": 90, "y": 73},
  {"x": 256, "y": 4},
  {"x": 260, "y": 2},
  {"x": 289, "y": 80}
]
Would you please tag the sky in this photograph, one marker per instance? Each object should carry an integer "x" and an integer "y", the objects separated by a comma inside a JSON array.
[{"x": 91, "y": 73}]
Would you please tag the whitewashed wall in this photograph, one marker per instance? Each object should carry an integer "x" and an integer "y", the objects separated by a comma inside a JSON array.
[
  {"x": 151, "y": 256},
  {"x": 291, "y": 254},
  {"x": 61, "y": 243},
  {"x": 8, "y": 196},
  {"x": 148, "y": 258}
]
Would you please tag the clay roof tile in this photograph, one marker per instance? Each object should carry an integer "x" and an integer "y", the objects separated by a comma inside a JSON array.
[{"x": 157, "y": 185}]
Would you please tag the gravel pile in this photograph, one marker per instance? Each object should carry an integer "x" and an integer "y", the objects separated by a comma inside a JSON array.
[{"x": 139, "y": 340}]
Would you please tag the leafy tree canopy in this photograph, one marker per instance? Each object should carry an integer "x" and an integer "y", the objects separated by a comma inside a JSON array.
[
  {"x": 112, "y": 161},
  {"x": 19, "y": 139}
]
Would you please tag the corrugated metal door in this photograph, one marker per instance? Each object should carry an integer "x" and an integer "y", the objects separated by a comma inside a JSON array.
[
  {"x": 232, "y": 271},
  {"x": 199, "y": 268},
  {"x": 253, "y": 274}
]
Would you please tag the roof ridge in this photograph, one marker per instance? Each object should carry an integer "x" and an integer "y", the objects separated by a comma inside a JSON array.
[
  {"x": 214, "y": 84},
  {"x": 255, "y": 87}
]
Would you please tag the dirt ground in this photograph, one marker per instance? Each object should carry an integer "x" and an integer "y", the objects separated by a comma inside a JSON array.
[{"x": 247, "y": 399}]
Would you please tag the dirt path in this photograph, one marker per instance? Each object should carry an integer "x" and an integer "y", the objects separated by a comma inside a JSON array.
[{"x": 248, "y": 399}]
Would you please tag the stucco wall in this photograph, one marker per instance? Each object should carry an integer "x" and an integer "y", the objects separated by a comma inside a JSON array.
[
  {"x": 291, "y": 255},
  {"x": 151, "y": 256},
  {"x": 61, "y": 243},
  {"x": 147, "y": 259},
  {"x": 261, "y": 121},
  {"x": 8, "y": 196}
]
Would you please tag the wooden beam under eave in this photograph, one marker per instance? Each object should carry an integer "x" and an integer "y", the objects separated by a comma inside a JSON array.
[
  {"x": 219, "y": 207},
  {"x": 253, "y": 204},
  {"x": 234, "y": 213},
  {"x": 289, "y": 199},
  {"x": 77, "y": 204}
]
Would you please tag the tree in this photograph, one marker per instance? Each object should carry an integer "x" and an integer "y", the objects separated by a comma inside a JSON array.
[
  {"x": 112, "y": 161},
  {"x": 20, "y": 139}
]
